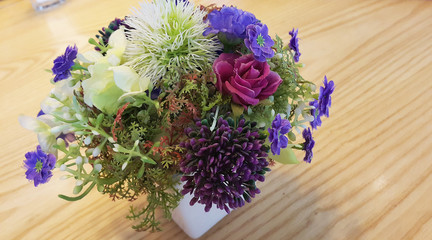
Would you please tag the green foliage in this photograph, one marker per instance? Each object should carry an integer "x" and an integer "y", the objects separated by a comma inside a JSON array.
[
  {"x": 140, "y": 122},
  {"x": 293, "y": 85}
]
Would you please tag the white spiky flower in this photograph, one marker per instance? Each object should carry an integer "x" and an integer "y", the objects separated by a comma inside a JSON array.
[{"x": 166, "y": 37}]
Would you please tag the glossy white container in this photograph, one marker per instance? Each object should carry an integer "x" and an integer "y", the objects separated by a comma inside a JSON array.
[{"x": 193, "y": 219}]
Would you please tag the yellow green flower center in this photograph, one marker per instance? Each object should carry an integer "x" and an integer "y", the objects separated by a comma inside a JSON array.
[
  {"x": 38, "y": 166},
  {"x": 260, "y": 40}
]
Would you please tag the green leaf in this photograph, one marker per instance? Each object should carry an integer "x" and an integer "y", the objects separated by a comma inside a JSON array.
[
  {"x": 291, "y": 136},
  {"x": 141, "y": 171},
  {"x": 286, "y": 156},
  {"x": 67, "y": 198},
  {"x": 99, "y": 119}
]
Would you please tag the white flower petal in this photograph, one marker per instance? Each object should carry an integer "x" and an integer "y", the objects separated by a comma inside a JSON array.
[
  {"x": 32, "y": 124},
  {"x": 89, "y": 57},
  {"x": 118, "y": 40},
  {"x": 49, "y": 105},
  {"x": 126, "y": 78},
  {"x": 47, "y": 141}
]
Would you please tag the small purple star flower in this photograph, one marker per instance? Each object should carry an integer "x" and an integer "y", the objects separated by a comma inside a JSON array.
[
  {"x": 317, "y": 118},
  {"x": 324, "y": 99},
  {"x": 277, "y": 137},
  {"x": 294, "y": 44},
  {"x": 63, "y": 63},
  {"x": 259, "y": 42},
  {"x": 308, "y": 145},
  {"x": 39, "y": 166}
]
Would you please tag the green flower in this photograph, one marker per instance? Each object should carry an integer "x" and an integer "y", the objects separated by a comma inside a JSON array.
[
  {"x": 109, "y": 80},
  {"x": 166, "y": 39}
]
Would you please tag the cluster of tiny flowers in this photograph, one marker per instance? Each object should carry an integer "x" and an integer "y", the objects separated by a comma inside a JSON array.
[
  {"x": 222, "y": 166},
  {"x": 237, "y": 24}
]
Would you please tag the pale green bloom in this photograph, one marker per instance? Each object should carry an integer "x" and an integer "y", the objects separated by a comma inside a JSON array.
[{"x": 109, "y": 80}]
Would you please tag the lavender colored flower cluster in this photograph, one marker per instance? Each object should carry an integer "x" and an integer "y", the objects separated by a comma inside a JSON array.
[
  {"x": 221, "y": 167},
  {"x": 231, "y": 21},
  {"x": 235, "y": 25},
  {"x": 39, "y": 165}
]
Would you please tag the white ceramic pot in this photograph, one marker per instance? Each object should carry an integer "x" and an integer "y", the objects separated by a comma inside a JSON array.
[{"x": 193, "y": 219}]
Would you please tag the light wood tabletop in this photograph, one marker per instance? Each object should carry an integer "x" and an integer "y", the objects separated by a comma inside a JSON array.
[{"x": 371, "y": 176}]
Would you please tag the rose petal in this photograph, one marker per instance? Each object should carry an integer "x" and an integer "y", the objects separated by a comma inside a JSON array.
[
  {"x": 253, "y": 73},
  {"x": 236, "y": 83},
  {"x": 224, "y": 70},
  {"x": 244, "y": 99},
  {"x": 274, "y": 81}
]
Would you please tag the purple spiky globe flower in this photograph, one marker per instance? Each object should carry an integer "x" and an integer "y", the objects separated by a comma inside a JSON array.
[{"x": 222, "y": 165}]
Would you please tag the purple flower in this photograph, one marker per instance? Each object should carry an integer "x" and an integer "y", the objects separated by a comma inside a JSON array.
[
  {"x": 317, "y": 118},
  {"x": 294, "y": 44},
  {"x": 231, "y": 21},
  {"x": 308, "y": 145},
  {"x": 247, "y": 80},
  {"x": 40, "y": 113},
  {"x": 259, "y": 42},
  {"x": 277, "y": 137},
  {"x": 179, "y": 1},
  {"x": 63, "y": 63},
  {"x": 325, "y": 97},
  {"x": 39, "y": 166},
  {"x": 221, "y": 166}
]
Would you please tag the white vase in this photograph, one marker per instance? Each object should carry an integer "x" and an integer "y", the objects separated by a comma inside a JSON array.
[{"x": 193, "y": 219}]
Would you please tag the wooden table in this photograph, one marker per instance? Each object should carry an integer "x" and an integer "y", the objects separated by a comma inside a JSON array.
[{"x": 371, "y": 176}]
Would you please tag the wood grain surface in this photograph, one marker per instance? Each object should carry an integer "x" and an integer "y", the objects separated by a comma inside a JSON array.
[{"x": 371, "y": 173}]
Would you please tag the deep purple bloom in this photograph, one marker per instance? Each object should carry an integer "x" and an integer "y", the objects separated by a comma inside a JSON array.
[
  {"x": 294, "y": 44},
  {"x": 40, "y": 113},
  {"x": 314, "y": 112},
  {"x": 106, "y": 32},
  {"x": 221, "y": 166},
  {"x": 231, "y": 21},
  {"x": 259, "y": 42},
  {"x": 63, "y": 63},
  {"x": 155, "y": 93},
  {"x": 277, "y": 132},
  {"x": 308, "y": 145},
  {"x": 324, "y": 99},
  {"x": 39, "y": 165}
]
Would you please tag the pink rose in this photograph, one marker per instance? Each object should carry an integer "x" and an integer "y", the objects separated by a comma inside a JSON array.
[{"x": 247, "y": 80}]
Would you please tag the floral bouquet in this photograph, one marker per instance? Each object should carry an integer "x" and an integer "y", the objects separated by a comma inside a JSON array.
[{"x": 176, "y": 99}]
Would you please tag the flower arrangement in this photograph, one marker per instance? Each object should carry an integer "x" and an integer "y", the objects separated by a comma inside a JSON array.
[{"x": 176, "y": 93}]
